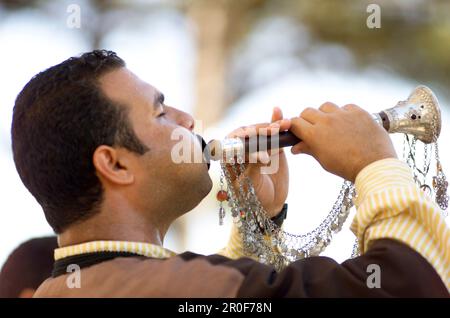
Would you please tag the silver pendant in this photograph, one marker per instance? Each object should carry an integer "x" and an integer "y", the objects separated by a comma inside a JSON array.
[{"x": 440, "y": 185}]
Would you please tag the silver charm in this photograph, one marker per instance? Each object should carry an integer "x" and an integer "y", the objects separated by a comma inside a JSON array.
[
  {"x": 222, "y": 196},
  {"x": 440, "y": 185},
  {"x": 221, "y": 214}
]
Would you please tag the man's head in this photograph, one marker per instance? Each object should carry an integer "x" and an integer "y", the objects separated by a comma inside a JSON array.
[
  {"x": 88, "y": 129},
  {"x": 27, "y": 267}
]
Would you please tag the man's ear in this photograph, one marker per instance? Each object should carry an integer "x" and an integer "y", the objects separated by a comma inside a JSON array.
[{"x": 113, "y": 165}]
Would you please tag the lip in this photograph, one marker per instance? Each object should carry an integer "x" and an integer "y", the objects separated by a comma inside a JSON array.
[{"x": 204, "y": 153}]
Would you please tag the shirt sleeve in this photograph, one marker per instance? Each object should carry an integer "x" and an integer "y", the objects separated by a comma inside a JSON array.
[
  {"x": 234, "y": 248},
  {"x": 390, "y": 205}
]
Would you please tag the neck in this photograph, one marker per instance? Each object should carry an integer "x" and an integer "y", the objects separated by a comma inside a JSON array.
[{"x": 116, "y": 221}]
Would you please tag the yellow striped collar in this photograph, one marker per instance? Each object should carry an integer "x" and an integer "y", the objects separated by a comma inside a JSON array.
[{"x": 144, "y": 249}]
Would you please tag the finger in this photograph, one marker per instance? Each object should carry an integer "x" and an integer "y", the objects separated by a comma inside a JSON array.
[
  {"x": 311, "y": 114},
  {"x": 301, "y": 147},
  {"x": 271, "y": 129},
  {"x": 261, "y": 129},
  {"x": 259, "y": 126},
  {"x": 351, "y": 107},
  {"x": 328, "y": 107},
  {"x": 259, "y": 157},
  {"x": 239, "y": 132},
  {"x": 301, "y": 128},
  {"x": 277, "y": 114},
  {"x": 274, "y": 128},
  {"x": 247, "y": 131},
  {"x": 297, "y": 149},
  {"x": 279, "y": 125},
  {"x": 285, "y": 124}
]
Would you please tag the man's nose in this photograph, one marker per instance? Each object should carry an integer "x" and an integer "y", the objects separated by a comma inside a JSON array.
[{"x": 183, "y": 119}]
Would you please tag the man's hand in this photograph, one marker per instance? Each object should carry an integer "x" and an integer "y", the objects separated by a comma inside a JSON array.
[
  {"x": 271, "y": 189},
  {"x": 343, "y": 140}
]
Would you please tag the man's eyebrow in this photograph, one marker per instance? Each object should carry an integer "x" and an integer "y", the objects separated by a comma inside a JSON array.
[{"x": 158, "y": 99}]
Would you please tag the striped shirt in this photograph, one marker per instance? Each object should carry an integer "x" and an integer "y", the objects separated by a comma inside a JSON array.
[{"x": 389, "y": 205}]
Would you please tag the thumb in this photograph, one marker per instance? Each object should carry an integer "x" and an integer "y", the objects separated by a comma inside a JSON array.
[{"x": 277, "y": 114}]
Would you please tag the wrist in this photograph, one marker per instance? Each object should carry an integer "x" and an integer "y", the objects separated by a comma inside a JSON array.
[
  {"x": 391, "y": 170},
  {"x": 273, "y": 212},
  {"x": 370, "y": 161}
]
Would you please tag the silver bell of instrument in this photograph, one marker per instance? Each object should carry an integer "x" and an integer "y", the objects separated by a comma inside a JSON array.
[{"x": 419, "y": 116}]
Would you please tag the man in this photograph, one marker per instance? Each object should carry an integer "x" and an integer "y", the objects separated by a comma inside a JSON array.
[
  {"x": 92, "y": 143},
  {"x": 27, "y": 267}
]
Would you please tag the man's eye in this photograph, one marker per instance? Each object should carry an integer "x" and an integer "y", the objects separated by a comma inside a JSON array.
[{"x": 162, "y": 114}]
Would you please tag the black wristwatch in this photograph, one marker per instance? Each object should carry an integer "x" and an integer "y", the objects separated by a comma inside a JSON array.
[{"x": 281, "y": 216}]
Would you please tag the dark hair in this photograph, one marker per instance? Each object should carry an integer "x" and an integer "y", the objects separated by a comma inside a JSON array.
[
  {"x": 60, "y": 117},
  {"x": 27, "y": 267}
]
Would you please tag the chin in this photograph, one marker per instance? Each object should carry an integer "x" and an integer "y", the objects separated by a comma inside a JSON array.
[
  {"x": 205, "y": 185},
  {"x": 197, "y": 190},
  {"x": 197, "y": 186}
]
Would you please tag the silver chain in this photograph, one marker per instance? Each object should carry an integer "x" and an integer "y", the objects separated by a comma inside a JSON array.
[{"x": 264, "y": 239}]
